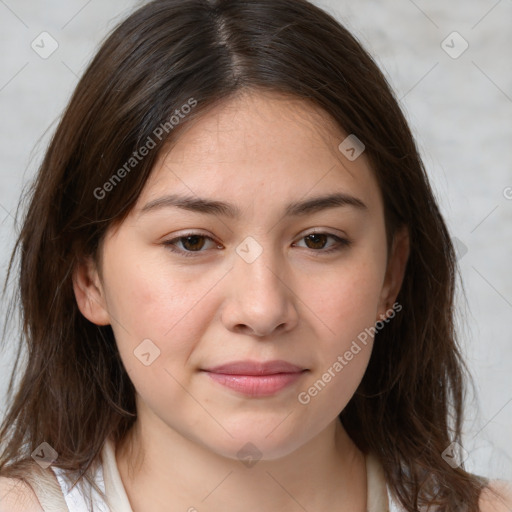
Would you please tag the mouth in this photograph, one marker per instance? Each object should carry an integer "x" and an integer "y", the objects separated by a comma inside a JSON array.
[{"x": 253, "y": 378}]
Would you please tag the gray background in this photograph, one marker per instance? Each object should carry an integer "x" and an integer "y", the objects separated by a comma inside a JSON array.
[{"x": 460, "y": 110}]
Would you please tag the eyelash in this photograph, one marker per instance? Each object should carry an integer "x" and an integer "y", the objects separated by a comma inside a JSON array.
[{"x": 341, "y": 244}]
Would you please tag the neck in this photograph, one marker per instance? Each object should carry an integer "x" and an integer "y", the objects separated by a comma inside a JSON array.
[{"x": 161, "y": 468}]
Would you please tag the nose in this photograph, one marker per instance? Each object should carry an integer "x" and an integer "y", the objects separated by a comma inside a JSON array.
[{"x": 259, "y": 298}]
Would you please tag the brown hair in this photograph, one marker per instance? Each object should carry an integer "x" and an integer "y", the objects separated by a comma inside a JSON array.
[{"x": 75, "y": 392}]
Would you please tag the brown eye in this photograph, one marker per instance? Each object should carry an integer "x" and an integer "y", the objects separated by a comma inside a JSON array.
[
  {"x": 317, "y": 242},
  {"x": 190, "y": 244},
  {"x": 193, "y": 243}
]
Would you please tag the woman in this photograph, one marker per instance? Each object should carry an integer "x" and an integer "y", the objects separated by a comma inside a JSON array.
[{"x": 236, "y": 285}]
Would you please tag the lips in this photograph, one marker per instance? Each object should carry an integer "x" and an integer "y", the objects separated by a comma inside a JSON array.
[
  {"x": 256, "y": 368},
  {"x": 254, "y": 378}
]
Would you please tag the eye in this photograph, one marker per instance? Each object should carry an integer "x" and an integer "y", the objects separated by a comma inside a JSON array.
[
  {"x": 316, "y": 242},
  {"x": 191, "y": 242}
]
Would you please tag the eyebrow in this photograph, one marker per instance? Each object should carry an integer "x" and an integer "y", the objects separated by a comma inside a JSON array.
[{"x": 221, "y": 208}]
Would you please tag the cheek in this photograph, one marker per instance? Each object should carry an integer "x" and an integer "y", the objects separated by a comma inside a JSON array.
[
  {"x": 347, "y": 300},
  {"x": 156, "y": 328},
  {"x": 341, "y": 357},
  {"x": 347, "y": 305},
  {"x": 172, "y": 308},
  {"x": 150, "y": 297}
]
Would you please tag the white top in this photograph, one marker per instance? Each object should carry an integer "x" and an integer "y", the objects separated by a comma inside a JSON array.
[{"x": 108, "y": 479}]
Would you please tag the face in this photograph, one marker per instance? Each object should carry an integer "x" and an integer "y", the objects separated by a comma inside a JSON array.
[{"x": 269, "y": 275}]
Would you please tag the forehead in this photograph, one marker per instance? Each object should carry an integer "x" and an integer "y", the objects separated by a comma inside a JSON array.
[{"x": 260, "y": 144}]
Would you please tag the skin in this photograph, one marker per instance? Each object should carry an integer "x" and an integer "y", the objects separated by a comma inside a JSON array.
[{"x": 259, "y": 151}]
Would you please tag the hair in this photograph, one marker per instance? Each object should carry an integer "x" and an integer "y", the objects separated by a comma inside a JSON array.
[{"x": 74, "y": 391}]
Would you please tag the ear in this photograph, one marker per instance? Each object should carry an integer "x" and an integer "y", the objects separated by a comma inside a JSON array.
[
  {"x": 89, "y": 293},
  {"x": 395, "y": 271}
]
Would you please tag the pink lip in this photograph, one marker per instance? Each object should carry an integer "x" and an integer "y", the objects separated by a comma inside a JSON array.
[{"x": 255, "y": 378}]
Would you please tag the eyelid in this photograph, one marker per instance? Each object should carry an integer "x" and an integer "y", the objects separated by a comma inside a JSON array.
[{"x": 324, "y": 231}]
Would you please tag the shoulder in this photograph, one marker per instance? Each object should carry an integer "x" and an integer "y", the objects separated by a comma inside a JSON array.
[
  {"x": 17, "y": 496},
  {"x": 490, "y": 502}
]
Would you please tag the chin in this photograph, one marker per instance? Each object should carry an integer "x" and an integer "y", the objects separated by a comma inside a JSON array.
[{"x": 250, "y": 446}]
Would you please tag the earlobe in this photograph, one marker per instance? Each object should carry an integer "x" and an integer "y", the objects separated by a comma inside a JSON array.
[
  {"x": 395, "y": 271},
  {"x": 89, "y": 293}
]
